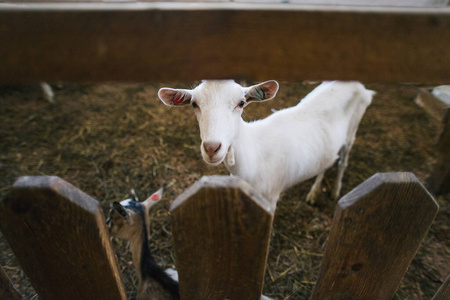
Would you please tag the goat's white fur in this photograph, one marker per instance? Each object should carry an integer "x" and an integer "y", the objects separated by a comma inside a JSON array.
[{"x": 287, "y": 147}]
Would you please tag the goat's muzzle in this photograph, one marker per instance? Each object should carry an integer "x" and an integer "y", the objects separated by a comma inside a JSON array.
[{"x": 211, "y": 148}]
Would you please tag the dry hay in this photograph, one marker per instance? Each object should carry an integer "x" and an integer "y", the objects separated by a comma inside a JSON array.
[{"x": 109, "y": 138}]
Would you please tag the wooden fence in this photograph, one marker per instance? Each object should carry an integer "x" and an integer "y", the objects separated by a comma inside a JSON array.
[{"x": 221, "y": 229}]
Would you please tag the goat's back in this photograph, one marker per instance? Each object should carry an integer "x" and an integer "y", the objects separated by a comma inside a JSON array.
[
  {"x": 340, "y": 104},
  {"x": 297, "y": 143},
  {"x": 336, "y": 96}
]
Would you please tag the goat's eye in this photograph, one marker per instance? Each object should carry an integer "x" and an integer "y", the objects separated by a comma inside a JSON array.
[
  {"x": 194, "y": 104},
  {"x": 242, "y": 103}
]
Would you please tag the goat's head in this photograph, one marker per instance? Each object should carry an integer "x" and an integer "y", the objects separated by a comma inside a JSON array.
[
  {"x": 218, "y": 106},
  {"x": 127, "y": 218}
]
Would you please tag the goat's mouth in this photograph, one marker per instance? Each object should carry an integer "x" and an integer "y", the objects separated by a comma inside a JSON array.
[
  {"x": 213, "y": 153},
  {"x": 214, "y": 161}
]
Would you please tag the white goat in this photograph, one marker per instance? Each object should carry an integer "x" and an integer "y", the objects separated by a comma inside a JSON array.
[
  {"x": 129, "y": 219},
  {"x": 289, "y": 146}
]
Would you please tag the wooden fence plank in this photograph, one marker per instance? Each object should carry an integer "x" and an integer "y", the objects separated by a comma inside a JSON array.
[
  {"x": 185, "y": 42},
  {"x": 376, "y": 232},
  {"x": 60, "y": 239},
  {"x": 221, "y": 230},
  {"x": 444, "y": 291},
  {"x": 440, "y": 177},
  {"x": 439, "y": 180},
  {"x": 7, "y": 290},
  {"x": 432, "y": 105}
]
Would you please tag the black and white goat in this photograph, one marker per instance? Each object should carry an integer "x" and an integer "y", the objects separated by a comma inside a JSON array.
[{"x": 129, "y": 219}]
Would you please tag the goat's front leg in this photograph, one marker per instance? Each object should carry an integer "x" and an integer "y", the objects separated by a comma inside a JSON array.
[
  {"x": 342, "y": 165},
  {"x": 315, "y": 189}
]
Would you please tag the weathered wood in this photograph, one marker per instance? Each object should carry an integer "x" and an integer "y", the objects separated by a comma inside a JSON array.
[
  {"x": 433, "y": 106},
  {"x": 221, "y": 230},
  {"x": 444, "y": 291},
  {"x": 186, "y": 42},
  {"x": 7, "y": 290},
  {"x": 60, "y": 239},
  {"x": 439, "y": 180},
  {"x": 376, "y": 232}
]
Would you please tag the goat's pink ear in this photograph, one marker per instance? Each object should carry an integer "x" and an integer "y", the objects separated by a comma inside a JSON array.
[
  {"x": 153, "y": 199},
  {"x": 175, "y": 97},
  {"x": 262, "y": 92}
]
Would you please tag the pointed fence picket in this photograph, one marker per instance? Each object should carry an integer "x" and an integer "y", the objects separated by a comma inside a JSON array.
[
  {"x": 221, "y": 229},
  {"x": 376, "y": 232},
  {"x": 60, "y": 239}
]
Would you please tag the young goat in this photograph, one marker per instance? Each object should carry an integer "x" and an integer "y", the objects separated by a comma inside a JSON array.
[
  {"x": 129, "y": 219},
  {"x": 289, "y": 146}
]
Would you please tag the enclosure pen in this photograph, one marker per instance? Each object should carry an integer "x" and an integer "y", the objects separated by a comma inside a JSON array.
[{"x": 221, "y": 227}]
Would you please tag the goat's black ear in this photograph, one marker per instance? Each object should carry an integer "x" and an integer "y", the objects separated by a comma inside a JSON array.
[{"x": 120, "y": 209}]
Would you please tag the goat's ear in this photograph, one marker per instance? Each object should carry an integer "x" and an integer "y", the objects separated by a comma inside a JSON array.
[
  {"x": 175, "y": 97},
  {"x": 261, "y": 92},
  {"x": 153, "y": 199},
  {"x": 120, "y": 209}
]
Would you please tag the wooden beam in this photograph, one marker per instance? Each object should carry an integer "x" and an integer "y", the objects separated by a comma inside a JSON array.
[
  {"x": 60, "y": 239},
  {"x": 191, "y": 41},
  {"x": 7, "y": 290},
  {"x": 221, "y": 230},
  {"x": 377, "y": 229}
]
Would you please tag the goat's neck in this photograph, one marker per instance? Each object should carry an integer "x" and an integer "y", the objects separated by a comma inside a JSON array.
[
  {"x": 238, "y": 151},
  {"x": 249, "y": 151},
  {"x": 153, "y": 281},
  {"x": 139, "y": 246}
]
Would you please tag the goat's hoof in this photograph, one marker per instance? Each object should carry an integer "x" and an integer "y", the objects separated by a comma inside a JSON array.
[
  {"x": 336, "y": 195},
  {"x": 311, "y": 198}
]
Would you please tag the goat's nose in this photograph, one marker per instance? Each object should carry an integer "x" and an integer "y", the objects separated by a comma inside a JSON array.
[{"x": 211, "y": 148}]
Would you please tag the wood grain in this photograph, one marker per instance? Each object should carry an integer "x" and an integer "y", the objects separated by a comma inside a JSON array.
[
  {"x": 432, "y": 105},
  {"x": 7, "y": 290},
  {"x": 186, "y": 42},
  {"x": 221, "y": 230},
  {"x": 377, "y": 229},
  {"x": 439, "y": 180},
  {"x": 59, "y": 236}
]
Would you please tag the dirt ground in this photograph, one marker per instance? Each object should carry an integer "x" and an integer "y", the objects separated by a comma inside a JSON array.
[{"x": 107, "y": 139}]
